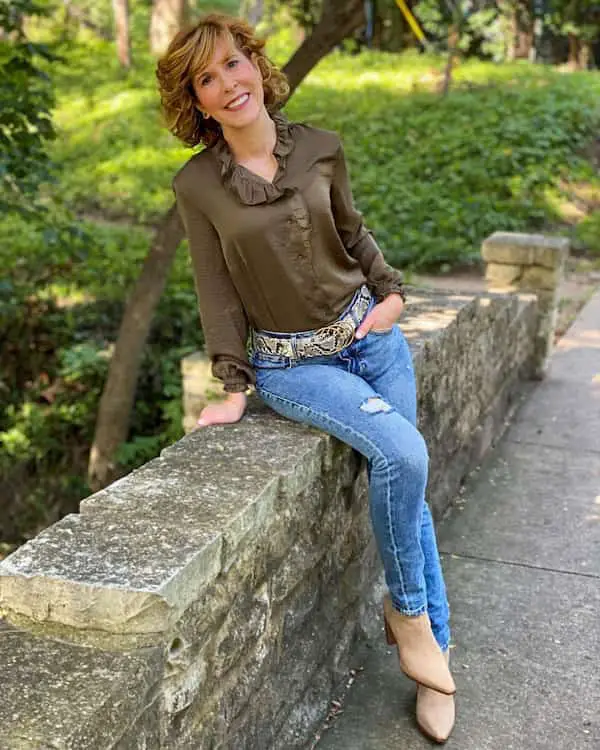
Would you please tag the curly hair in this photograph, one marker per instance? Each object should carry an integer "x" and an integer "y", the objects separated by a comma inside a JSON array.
[{"x": 189, "y": 52}]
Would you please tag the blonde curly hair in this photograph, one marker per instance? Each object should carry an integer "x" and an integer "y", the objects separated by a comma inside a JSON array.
[{"x": 188, "y": 53}]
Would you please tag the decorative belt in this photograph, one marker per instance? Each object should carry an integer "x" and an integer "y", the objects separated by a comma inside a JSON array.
[{"x": 330, "y": 339}]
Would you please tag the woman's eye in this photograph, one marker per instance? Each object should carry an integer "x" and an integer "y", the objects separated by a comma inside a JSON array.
[
  {"x": 233, "y": 62},
  {"x": 204, "y": 81}
]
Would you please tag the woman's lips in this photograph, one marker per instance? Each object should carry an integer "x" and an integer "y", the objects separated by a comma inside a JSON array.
[{"x": 245, "y": 98}]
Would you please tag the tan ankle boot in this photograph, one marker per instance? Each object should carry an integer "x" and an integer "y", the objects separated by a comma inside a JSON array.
[
  {"x": 420, "y": 656},
  {"x": 435, "y": 712}
]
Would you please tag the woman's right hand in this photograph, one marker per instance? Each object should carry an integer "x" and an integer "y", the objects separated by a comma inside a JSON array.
[{"x": 225, "y": 412}]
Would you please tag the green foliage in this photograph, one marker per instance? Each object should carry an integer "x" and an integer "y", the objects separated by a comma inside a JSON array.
[
  {"x": 587, "y": 233},
  {"x": 304, "y": 13},
  {"x": 433, "y": 177},
  {"x": 578, "y": 17},
  {"x": 479, "y": 25},
  {"x": 25, "y": 103},
  {"x": 59, "y": 314}
]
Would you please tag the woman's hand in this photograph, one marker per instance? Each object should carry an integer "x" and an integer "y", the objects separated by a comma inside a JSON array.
[
  {"x": 225, "y": 412},
  {"x": 383, "y": 316}
]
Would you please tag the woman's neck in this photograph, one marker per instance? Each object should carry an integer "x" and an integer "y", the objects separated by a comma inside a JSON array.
[{"x": 254, "y": 141}]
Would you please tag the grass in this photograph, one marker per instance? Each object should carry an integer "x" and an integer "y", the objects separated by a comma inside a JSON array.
[
  {"x": 433, "y": 176},
  {"x": 507, "y": 150}
]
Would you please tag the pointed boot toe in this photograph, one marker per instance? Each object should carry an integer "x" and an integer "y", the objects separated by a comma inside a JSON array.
[{"x": 436, "y": 713}]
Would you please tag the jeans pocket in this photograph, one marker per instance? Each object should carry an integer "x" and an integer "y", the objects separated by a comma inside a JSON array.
[{"x": 385, "y": 332}]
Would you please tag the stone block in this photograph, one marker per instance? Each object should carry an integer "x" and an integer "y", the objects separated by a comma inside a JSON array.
[
  {"x": 302, "y": 557},
  {"x": 503, "y": 276},
  {"x": 517, "y": 249},
  {"x": 300, "y": 605},
  {"x": 207, "y": 730},
  {"x": 541, "y": 260},
  {"x": 538, "y": 277},
  {"x": 147, "y": 732},
  {"x": 188, "y": 674},
  {"x": 305, "y": 714},
  {"x": 239, "y": 686},
  {"x": 246, "y": 623},
  {"x": 141, "y": 552},
  {"x": 128, "y": 576},
  {"x": 60, "y": 695}
]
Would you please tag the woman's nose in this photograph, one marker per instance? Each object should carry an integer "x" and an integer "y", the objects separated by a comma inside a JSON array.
[{"x": 229, "y": 83}]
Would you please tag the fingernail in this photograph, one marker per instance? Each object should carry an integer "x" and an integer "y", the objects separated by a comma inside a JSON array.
[{"x": 359, "y": 335}]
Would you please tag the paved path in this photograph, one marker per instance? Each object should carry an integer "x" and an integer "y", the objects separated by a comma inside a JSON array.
[{"x": 521, "y": 554}]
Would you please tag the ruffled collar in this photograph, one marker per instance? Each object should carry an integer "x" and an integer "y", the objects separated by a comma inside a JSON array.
[{"x": 250, "y": 188}]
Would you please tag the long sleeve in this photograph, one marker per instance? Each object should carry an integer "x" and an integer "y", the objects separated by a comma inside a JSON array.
[
  {"x": 382, "y": 279},
  {"x": 222, "y": 315}
]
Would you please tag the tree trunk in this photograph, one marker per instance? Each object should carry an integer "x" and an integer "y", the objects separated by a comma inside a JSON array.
[
  {"x": 339, "y": 19},
  {"x": 74, "y": 13},
  {"x": 252, "y": 11},
  {"x": 573, "y": 61},
  {"x": 117, "y": 399},
  {"x": 585, "y": 55},
  {"x": 524, "y": 30},
  {"x": 524, "y": 40},
  {"x": 167, "y": 18},
  {"x": 121, "y": 14},
  {"x": 396, "y": 33},
  {"x": 453, "y": 39}
]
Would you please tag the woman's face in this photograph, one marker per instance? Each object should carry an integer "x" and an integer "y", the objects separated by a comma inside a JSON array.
[{"x": 230, "y": 88}]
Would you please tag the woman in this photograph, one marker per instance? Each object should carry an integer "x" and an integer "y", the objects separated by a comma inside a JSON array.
[{"x": 282, "y": 258}]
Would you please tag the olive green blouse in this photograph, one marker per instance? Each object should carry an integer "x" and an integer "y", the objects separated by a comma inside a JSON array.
[{"x": 286, "y": 255}]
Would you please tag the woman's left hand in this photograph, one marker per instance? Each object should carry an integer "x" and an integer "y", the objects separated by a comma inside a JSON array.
[{"x": 383, "y": 316}]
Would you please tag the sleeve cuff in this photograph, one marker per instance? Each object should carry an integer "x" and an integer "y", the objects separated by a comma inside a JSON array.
[
  {"x": 381, "y": 291},
  {"x": 236, "y": 376}
]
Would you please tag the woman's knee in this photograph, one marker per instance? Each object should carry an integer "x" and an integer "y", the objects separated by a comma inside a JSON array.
[{"x": 408, "y": 455}]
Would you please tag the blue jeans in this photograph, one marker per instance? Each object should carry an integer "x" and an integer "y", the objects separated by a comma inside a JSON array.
[{"x": 365, "y": 396}]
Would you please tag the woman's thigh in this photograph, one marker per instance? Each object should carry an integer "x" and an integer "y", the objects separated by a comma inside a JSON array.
[
  {"x": 389, "y": 371},
  {"x": 341, "y": 404}
]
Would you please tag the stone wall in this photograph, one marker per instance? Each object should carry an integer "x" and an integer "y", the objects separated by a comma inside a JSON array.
[
  {"x": 529, "y": 263},
  {"x": 209, "y": 600}
]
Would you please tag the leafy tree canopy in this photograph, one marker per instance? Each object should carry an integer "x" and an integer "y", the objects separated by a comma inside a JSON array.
[{"x": 26, "y": 100}]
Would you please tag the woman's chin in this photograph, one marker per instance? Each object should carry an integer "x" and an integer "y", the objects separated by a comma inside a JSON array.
[{"x": 243, "y": 118}]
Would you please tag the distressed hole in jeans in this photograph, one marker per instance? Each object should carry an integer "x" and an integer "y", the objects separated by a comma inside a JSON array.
[{"x": 375, "y": 404}]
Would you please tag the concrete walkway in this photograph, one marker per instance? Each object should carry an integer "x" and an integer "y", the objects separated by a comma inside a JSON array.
[{"x": 521, "y": 554}]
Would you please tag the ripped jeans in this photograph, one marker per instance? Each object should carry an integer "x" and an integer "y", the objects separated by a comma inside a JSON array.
[{"x": 365, "y": 396}]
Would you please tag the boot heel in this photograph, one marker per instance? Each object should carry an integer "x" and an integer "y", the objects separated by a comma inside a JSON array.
[{"x": 389, "y": 636}]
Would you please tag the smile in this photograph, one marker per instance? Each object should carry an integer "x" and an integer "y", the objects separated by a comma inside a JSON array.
[{"x": 239, "y": 102}]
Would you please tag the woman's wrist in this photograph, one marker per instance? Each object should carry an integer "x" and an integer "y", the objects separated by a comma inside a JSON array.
[
  {"x": 237, "y": 398},
  {"x": 394, "y": 301}
]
